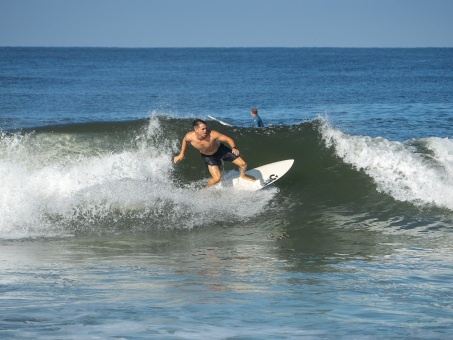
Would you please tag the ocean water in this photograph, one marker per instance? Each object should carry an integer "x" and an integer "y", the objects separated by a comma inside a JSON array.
[{"x": 101, "y": 236}]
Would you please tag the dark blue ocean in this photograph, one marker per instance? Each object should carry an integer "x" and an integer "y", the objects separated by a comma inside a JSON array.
[{"x": 102, "y": 236}]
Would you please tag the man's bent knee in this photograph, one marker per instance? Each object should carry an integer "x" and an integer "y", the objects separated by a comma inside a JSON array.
[{"x": 213, "y": 181}]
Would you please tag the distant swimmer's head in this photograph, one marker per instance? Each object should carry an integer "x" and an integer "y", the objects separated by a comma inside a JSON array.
[{"x": 254, "y": 111}]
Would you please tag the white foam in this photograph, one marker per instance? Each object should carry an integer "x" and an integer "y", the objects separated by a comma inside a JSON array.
[
  {"x": 44, "y": 191},
  {"x": 399, "y": 169}
]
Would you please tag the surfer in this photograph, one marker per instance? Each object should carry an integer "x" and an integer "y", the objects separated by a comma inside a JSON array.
[
  {"x": 256, "y": 120},
  {"x": 213, "y": 151}
]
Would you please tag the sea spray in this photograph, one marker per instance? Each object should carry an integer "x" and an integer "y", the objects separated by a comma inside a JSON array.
[
  {"x": 397, "y": 168},
  {"x": 56, "y": 184}
]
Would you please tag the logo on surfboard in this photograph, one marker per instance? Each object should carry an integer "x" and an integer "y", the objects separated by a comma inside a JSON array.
[{"x": 271, "y": 179}]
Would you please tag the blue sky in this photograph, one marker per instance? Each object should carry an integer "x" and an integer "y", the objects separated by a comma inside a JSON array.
[{"x": 227, "y": 23}]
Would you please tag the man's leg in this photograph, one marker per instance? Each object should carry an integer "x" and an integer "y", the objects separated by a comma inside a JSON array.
[
  {"x": 215, "y": 173},
  {"x": 242, "y": 169}
]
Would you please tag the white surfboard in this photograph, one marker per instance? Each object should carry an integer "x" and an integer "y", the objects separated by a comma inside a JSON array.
[
  {"x": 223, "y": 123},
  {"x": 265, "y": 175}
]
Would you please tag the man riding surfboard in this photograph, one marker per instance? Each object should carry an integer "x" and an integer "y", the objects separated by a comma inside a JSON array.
[{"x": 213, "y": 151}]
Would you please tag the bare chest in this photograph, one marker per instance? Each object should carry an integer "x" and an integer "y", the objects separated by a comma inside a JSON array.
[{"x": 206, "y": 146}]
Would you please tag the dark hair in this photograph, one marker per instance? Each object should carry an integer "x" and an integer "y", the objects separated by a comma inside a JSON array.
[
  {"x": 197, "y": 122},
  {"x": 254, "y": 111}
]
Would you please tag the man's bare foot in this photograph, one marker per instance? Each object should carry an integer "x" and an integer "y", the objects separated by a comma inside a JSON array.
[{"x": 248, "y": 178}]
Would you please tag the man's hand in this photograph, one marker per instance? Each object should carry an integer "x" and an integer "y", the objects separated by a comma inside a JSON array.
[
  {"x": 235, "y": 151},
  {"x": 178, "y": 158}
]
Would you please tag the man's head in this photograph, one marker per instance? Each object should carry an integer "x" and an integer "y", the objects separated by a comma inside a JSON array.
[
  {"x": 196, "y": 123},
  {"x": 199, "y": 126},
  {"x": 254, "y": 111}
]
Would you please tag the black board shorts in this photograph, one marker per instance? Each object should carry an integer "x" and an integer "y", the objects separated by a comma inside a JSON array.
[{"x": 223, "y": 153}]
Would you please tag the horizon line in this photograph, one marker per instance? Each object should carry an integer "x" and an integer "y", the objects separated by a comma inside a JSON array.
[{"x": 221, "y": 47}]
